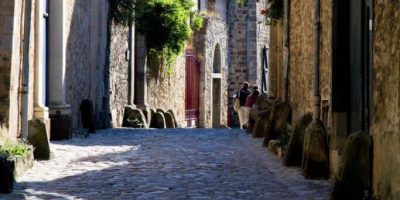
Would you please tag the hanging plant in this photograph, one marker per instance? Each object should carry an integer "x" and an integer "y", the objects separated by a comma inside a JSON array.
[{"x": 275, "y": 11}]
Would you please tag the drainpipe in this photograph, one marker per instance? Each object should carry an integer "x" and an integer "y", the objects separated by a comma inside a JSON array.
[
  {"x": 286, "y": 27},
  {"x": 25, "y": 76},
  {"x": 317, "y": 27}
]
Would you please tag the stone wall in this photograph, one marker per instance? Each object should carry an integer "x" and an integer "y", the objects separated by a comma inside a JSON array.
[
  {"x": 213, "y": 33},
  {"x": 118, "y": 72},
  {"x": 237, "y": 47},
  {"x": 302, "y": 55},
  {"x": 12, "y": 24},
  {"x": 386, "y": 100},
  {"x": 168, "y": 92},
  {"x": 86, "y": 37},
  {"x": 276, "y": 60},
  {"x": 6, "y": 34},
  {"x": 258, "y": 38},
  {"x": 248, "y": 34}
]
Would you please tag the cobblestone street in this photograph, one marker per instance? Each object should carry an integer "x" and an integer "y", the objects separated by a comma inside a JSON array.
[{"x": 165, "y": 164}]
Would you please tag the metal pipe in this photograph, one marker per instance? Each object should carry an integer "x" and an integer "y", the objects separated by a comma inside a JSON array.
[
  {"x": 317, "y": 27},
  {"x": 25, "y": 76},
  {"x": 286, "y": 43}
]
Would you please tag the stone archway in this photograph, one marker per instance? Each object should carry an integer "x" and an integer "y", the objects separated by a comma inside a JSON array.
[{"x": 216, "y": 88}]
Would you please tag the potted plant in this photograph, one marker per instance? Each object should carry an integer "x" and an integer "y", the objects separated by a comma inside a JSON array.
[{"x": 15, "y": 159}]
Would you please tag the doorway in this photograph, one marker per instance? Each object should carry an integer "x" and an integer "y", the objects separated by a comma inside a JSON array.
[
  {"x": 352, "y": 62},
  {"x": 192, "y": 90},
  {"x": 216, "y": 102}
]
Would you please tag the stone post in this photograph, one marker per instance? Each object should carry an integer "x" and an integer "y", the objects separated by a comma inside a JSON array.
[
  {"x": 140, "y": 75},
  {"x": 60, "y": 112}
]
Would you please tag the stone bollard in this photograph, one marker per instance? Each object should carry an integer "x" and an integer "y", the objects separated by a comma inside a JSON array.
[
  {"x": 37, "y": 137},
  {"x": 278, "y": 120},
  {"x": 260, "y": 113},
  {"x": 315, "y": 162},
  {"x": 134, "y": 118},
  {"x": 353, "y": 177},
  {"x": 169, "y": 120},
  {"x": 294, "y": 151},
  {"x": 158, "y": 120},
  {"x": 174, "y": 118}
]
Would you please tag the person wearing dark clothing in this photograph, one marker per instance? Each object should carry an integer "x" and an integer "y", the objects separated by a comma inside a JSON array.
[{"x": 242, "y": 95}]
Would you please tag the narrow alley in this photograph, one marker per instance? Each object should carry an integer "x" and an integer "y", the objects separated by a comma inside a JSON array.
[{"x": 165, "y": 164}]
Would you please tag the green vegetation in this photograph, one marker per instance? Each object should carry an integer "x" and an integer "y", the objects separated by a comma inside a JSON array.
[
  {"x": 13, "y": 149},
  {"x": 283, "y": 140},
  {"x": 241, "y": 3},
  {"x": 165, "y": 23},
  {"x": 275, "y": 12}
]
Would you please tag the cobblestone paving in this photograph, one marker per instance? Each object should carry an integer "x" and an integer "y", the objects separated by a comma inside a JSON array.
[{"x": 165, "y": 164}]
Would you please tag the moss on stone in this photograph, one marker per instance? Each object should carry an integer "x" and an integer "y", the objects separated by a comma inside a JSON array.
[{"x": 38, "y": 139}]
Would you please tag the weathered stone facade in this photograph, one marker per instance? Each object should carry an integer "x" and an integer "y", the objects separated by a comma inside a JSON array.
[
  {"x": 386, "y": 100},
  {"x": 85, "y": 57},
  {"x": 211, "y": 45},
  {"x": 168, "y": 92},
  {"x": 385, "y": 124},
  {"x": 302, "y": 55},
  {"x": 12, "y": 32},
  {"x": 248, "y": 34},
  {"x": 276, "y": 61},
  {"x": 118, "y": 72}
]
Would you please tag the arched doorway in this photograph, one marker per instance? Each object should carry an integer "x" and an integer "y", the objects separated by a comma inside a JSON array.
[
  {"x": 216, "y": 88},
  {"x": 192, "y": 90}
]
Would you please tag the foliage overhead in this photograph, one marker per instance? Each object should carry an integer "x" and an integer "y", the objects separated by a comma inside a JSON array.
[{"x": 165, "y": 23}]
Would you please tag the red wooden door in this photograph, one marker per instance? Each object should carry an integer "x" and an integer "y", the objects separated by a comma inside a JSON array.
[{"x": 192, "y": 90}]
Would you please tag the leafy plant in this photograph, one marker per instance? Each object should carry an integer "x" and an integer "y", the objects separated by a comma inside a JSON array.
[
  {"x": 283, "y": 140},
  {"x": 241, "y": 2},
  {"x": 165, "y": 23},
  {"x": 11, "y": 149},
  {"x": 196, "y": 22},
  {"x": 275, "y": 12}
]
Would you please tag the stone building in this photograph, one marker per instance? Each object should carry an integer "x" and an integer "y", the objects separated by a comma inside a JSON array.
[
  {"x": 54, "y": 55},
  {"x": 359, "y": 78},
  {"x": 248, "y": 35}
]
